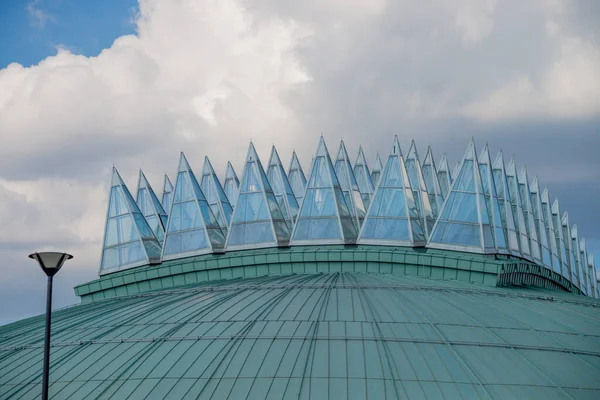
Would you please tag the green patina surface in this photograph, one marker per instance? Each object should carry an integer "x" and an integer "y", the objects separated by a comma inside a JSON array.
[
  {"x": 464, "y": 267},
  {"x": 314, "y": 336}
]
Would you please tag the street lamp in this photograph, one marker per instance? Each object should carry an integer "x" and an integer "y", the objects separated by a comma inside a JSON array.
[{"x": 51, "y": 262}]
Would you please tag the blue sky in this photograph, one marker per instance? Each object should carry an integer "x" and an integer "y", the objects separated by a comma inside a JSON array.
[
  {"x": 206, "y": 76},
  {"x": 32, "y": 30}
]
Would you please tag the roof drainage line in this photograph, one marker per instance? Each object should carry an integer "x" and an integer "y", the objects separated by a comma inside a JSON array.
[
  {"x": 146, "y": 352},
  {"x": 450, "y": 345},
  {"x": 487, "y": 291},
  {"x": 526, "y": 360},
  {"x": 37, "y": 327},
  {"x": 494, "y": 334},
  {"x": 324, "y": 299},
  {"x": 544, "y": 334},
  {"x": 361, "y": 321},
  {"x": 217, "y": 302},
  {"x": 236, "y": 341},
  {"x": 95, "y": 317},
  {"x": 388, "y": 353},
  {"x": 265, "y": 309},
  {"x": 290, "y": 341},
  {"x": 316, "y": 337}
]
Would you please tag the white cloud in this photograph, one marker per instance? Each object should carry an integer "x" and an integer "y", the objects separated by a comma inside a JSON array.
[
  {"x": 474, "y": 19},
  {"x": 38, "y": 16},
  {"x": 568, "y": 88}
]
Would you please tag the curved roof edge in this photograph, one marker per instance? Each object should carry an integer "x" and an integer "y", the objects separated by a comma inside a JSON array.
[{"x": 438, "y": 264}]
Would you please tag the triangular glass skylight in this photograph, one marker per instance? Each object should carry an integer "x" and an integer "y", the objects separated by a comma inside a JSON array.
[
  {"x": 215, "y": 195},
  {"x": 584, "y": 265},
  {"x": 432, "y": 183},
  {"x": 571, "y": 253},
  {"x": 515, "y": 198},
  {"x": 576, "y": 256},
  {"x": 363, "y": 178},
  {"x": 282, "y": 189},
  {"x": 192, "y": 227},
  {"x": 128, "y": 239},
  {"x": 167, "y": 194},
  {"x": 297, "y": 178},
  {"x": 540, "y": 224},
  {"x": 376, "y": 171},
  {"x": 492, "y": 203},
  {"x": 151, "y": 208},
  {"x": 550, "y": 232},
  {"x": 257, "y": 219},
  {"x": 525, "y": 196},
  {"x": 594, "y": 276},
  {"x": 505, "y": 205},
  {"x": 324, "y": 216},
  {"x": 393, "y": 216},
  {"x": 559, "y": 232},
  {"x": 231, "y": 185},
  {"x": 444, "y": 176},
  {"x": 464, "y": 222},
  {"x": 417, "y": 184},
  {"x": 347, "y": 180}
]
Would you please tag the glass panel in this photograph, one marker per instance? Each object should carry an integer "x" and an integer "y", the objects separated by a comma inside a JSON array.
[
  {"x": 376, "y": 172},
  {"x": 215, "y": 195},
  {"x": 192, "y": 226},
  {"x": 257, "y": 211},
  {"x": 282, "y": 189},
  {"x": 465, "y": 219},
  {"x": 363, "y": 178},
  {"x": 524, "y": 197},
  {"x": 500, "y": 235},
  {"x": 297, "y": 178},
  {"x": 349, "y": 186},
  {"x": 231, "y": 185},
  {"x": 167, "y": 196},
  {"x": 125, "y": 228},
  {"x": 459, "y": 234},
  {"x": 417, "y": 183},
  {"x": 150, "y": 208},
  {"x": 515, "y": 199},
  {"x": 324, "y": 213},
  {"x": 393, "y": 215}
]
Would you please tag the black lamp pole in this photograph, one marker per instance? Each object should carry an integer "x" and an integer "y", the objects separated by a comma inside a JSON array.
[{"x": 51, "y": 262}]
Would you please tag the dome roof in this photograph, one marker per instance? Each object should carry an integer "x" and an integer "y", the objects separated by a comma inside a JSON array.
[{"x": 332, "y": 335}]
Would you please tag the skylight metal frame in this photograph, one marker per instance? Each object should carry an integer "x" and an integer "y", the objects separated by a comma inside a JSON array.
[
  {"x": 231, "y": 183},
  {"x": 409, "y": 217},
  {"x": 253, "y": 158},
  {"x": 363, "y": 178},
  {"x": 157, "y": 210},
  {"x": 277, "y": 176},
  {"x": 550, "y": 232},
  {"x": 348, "y": 184},
  {"x": 432, "y": 183},
  {"x": 212, "y": 246},
  {"x": 417, "y": 184},
  {"x": 297, "y": 178},
  {"x": 344, "y": 236},
  {"x": 486, "y": 246},
  {"x": 210, "y": 181},
  {"x": 117, "y": 182}
]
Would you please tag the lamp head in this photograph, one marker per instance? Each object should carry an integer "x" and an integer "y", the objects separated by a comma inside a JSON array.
[{"x": 50, "y": 261}]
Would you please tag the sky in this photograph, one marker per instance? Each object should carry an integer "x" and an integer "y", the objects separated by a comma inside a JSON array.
[{"x": 85, "y": 85}]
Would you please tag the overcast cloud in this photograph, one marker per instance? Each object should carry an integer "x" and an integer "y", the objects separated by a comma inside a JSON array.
[{"x": 206, "y": 76}]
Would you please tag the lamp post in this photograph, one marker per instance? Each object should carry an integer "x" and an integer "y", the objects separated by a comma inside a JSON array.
[{"x": 51, "y": 262}]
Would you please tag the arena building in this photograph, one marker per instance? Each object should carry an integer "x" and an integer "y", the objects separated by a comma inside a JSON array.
[{"x": 404, "y": 281}]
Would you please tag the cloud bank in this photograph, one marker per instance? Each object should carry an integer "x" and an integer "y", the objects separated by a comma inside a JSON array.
[{"x": 207, "y": 76}]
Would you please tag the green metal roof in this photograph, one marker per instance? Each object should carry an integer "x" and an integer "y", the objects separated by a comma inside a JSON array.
[{"x": 334, "y": 335}]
